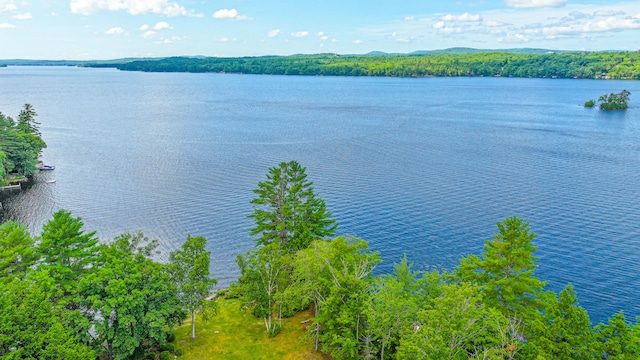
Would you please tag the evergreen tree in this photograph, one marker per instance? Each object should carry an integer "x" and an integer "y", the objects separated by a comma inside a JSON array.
[
  {"x": 505, "y": 271},
  {"x": 287, "y": 210},
  {"x": 67, "y": 251},
  {"x": 17, "y": 251},
  {"x": 617, "y": 339},
  {"x": 20, "y": 142},
  {"x": 565, "y": 332}
]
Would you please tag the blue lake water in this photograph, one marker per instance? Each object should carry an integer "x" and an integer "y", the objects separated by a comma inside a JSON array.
[{"x": 422, "y": 166}]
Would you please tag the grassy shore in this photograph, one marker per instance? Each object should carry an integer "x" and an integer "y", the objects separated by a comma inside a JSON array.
[{"x": 237, "y": 334}]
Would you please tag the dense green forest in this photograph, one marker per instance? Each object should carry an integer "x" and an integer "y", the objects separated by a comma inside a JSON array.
[
  {"x": 581, "y": 65},
  {"x": 20, "y": 144}
]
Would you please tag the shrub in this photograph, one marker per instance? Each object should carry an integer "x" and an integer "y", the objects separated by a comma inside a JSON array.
[
  {"x": 165, "y": 355},
  {"x": 590, "y": 103},
  {"x": 171, "y": 337},
  {"x": 167, "y": 347},
  {"x": 274, "y": 329},
  {"x": 179, "y": 352}
]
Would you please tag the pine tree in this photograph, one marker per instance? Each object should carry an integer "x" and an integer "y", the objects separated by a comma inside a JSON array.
[
  {"x": 505, "y": 270},
  {"x": 67, "y": 251},
  {"x": 287, "y": 210}
]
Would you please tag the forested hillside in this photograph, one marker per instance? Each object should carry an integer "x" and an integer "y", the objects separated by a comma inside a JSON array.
[{"x": 582, "y": 65}]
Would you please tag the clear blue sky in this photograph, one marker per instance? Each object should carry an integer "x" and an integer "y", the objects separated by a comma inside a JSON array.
[{"x": 108, "y": 29}]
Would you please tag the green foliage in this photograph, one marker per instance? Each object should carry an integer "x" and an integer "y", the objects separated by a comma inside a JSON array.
[
  {"x": 17, "y": 252},
  {"x": 274, "y": 329},
  {"x": 342, "y": 313},
  {"x": 67, "y": 251},
  {"x": 265, "y": 274},
  {"x": 287, "y": 210},
  {"x": 582, "y": 65},
  {"x": 617, "y": 339},
  {"x": 505, "y": 271},
  {"x": 165, "y": 355},
  {"x": 31, "y": 328},
  {"x": 590, "y": 103},
  {"x": 171, "y": 337},
  {"x": 395, "y": 300},
  {"x": 130, "y": 298},
  {"x": 619, "y": 101},
  {"x": 20, "y": 142},
  {"x": 167, "y": 347},
  {"x": 457, "y": 325},
  {"x": 565, "y": 331},
  {"x": 190, "y": 271}
]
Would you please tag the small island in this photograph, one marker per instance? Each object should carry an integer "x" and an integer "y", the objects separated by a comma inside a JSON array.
[{"x": 619, "y": 101}]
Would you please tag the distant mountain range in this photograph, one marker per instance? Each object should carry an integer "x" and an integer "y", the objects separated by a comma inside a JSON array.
[{"x": 465, "y": 50}]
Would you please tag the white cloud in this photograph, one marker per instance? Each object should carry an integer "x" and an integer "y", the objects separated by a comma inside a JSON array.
[
  {"x": 319, "y": 33},
  {"x": 24, "y": 16},
  {"x": 325, "y": 37},
  {"x": 449, "y": 30},
  {"x": 7, "y": 26},
  {"x": 115, "y": 31},
  {"x": 226, "y": 39},
  {"x": 357, "y": 42},
  {"x": 148, "y": 34},
  {"x": 162, "y": 25},
  {"x": 229, "y": 14},
  {"x": 144, "y": 27},
  {"x": 273, "y": 33},
  {"x": 463, "y": 17},
  {"x": 534, "y": 3},
  {"x": 170, "y": 40},
  {"x": 133, "y": 7},
  {"x": 439, "y": 25},
  {"x": 514, "y": 38},
  {"x": 409, "y": 18},
  {"x": 606, "y": 25},
  {"x": 7, "y": 6},
  {"x": 300, "y": 34}
]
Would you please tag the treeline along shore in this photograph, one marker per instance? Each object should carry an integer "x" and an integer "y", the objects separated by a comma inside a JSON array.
[{"x": 579, "y": 65}]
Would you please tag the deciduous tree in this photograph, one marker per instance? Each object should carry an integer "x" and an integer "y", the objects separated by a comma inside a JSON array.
[
  {"x": 264, "y": 275},
  {"x": 130, "y": 298},
  {"x": 31, "y": 328},
  {"x": 190, "y": 271}
]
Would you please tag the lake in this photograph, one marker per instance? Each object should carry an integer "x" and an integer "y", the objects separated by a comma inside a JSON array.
[{"x": 423, "y": 167}]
